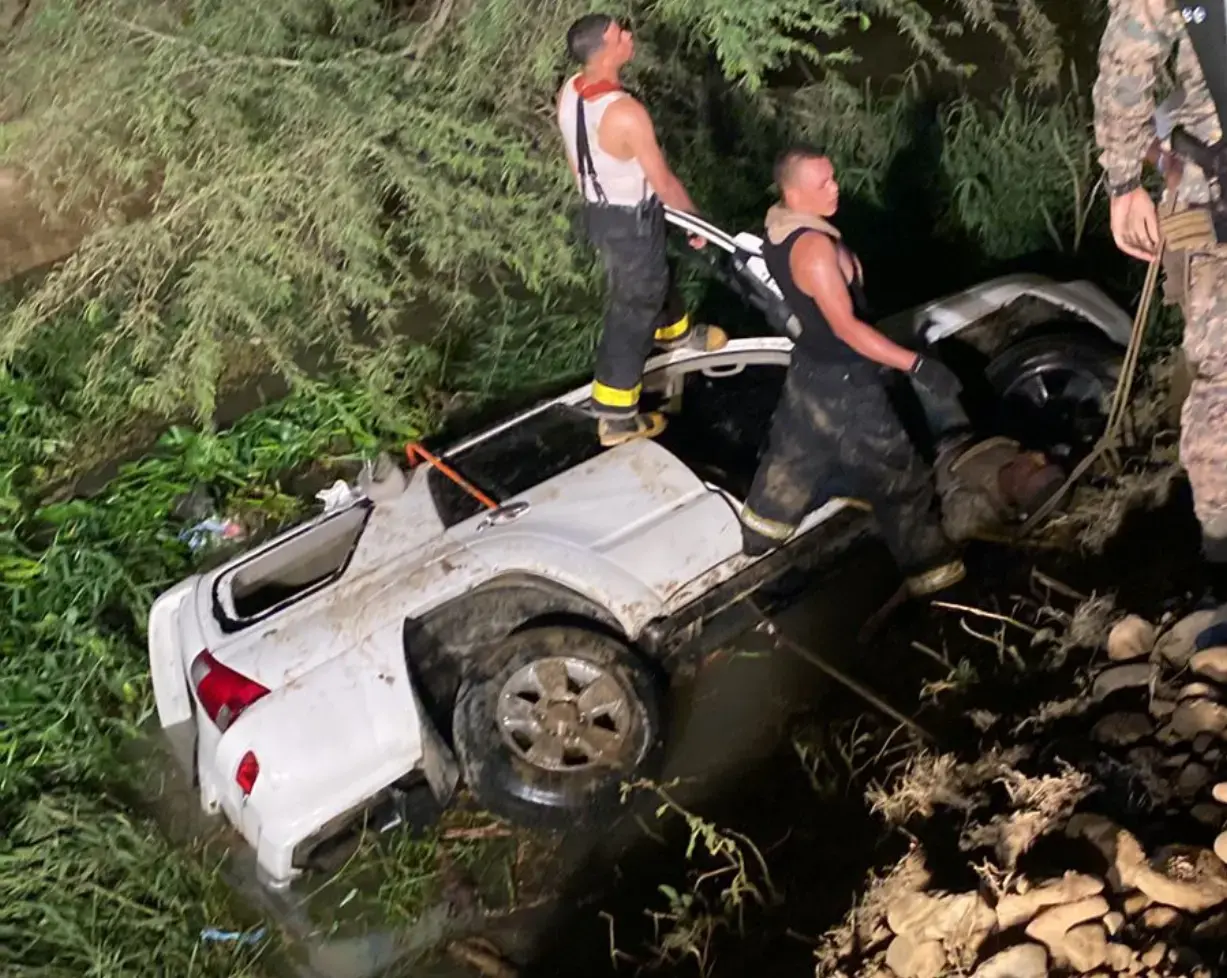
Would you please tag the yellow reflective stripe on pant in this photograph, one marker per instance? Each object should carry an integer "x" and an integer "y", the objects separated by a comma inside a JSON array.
[
  {"x": 771, "y": 529},
  {"x": 676, "y": 331},
  {"x": 614, "y": 397}
]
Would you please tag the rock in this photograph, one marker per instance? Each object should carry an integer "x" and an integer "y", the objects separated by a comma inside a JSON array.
[
  {"x": 1196, "y": 691},
  {"x": 1085, "y": 947},
  {"x": 1131, "y": 638},
  {"x": 1186, "y": 877},
  {"x": 1153, "y": 956},
  {"x": 1016, "y": 909},
  {"x": 1169, "y": 736},
  {"x": 1177, "y": 760},
  {"x": 1212, "y": 755},
  {"x": 1212, "y": 928},
  {"x": 915, "y": 959},
  {"x": 1160, "y": 918},
  {"x": 1211, "y": 663},
  {"x": 1114, "y": 921},
  {"x": 1202, "y": 743},
  {"x": 1121, "y": 677},
  {"x": 1123, "y": 960},
  {"x": 1135, "y": 903},
  {"x": 1052, "y": 925},
  {"x": 1161, "y": 708},
  {"x": 1192, "y": 779},
  {"x": 1122, "y": 729},
  {"x": 1122, "y": 851},
  {"x": 1177, "y": 644},
  {"x": 1020, "y": 961},
  {"x": 960, "y": 919},
  {"x": 1208, "y": 814},
  {"x": 1193, "y": 717}
]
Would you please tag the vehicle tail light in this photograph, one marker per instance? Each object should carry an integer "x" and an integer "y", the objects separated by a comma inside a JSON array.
[
  {"x": 222, "y": 692},
  {"x": 248, "y": 771}
]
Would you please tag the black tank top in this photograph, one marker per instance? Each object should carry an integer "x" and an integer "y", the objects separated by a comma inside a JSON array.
[{"x": 817, "y": 338}]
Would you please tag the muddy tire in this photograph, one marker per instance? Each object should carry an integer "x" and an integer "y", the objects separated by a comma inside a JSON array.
[
  {"x": 1052, "y": 391},
  {"x": 549, "y": 726}
]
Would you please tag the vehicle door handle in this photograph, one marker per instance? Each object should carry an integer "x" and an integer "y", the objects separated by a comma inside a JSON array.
[{"x": 504, "y": 514}]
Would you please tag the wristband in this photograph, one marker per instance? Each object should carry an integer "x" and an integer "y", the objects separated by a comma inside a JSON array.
[{"x": 1120, "y": 189}]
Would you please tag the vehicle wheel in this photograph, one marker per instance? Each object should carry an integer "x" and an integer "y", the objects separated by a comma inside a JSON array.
[
  {"x": 1053, "y": 392},
  {"x": 554, "y": 722}
]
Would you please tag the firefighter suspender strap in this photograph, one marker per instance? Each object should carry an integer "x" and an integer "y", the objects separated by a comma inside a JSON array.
[{"x": 583, "y": 151}]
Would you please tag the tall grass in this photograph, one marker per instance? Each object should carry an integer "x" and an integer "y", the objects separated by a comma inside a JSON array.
[{"x": 86, "y": 887}]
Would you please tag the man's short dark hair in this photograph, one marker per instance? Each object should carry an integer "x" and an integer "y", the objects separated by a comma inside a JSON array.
[
  {"x": 787, "y": 162},
  {"x": 586, "y": 35}
]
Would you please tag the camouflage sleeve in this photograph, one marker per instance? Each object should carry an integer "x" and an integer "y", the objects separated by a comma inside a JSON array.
[{"x": 1136, "y": 42}]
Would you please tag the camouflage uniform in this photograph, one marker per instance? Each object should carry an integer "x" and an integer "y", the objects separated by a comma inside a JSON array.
[{"x": 1136, "y": 43}]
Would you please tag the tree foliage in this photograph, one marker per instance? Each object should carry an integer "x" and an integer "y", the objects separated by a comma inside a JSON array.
[{"x": 253, "y": 173}]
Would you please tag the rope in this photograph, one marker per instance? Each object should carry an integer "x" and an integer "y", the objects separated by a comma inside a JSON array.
[
  {"x": 1110, "y": 440},
  {"x": 414, "y": 451}
]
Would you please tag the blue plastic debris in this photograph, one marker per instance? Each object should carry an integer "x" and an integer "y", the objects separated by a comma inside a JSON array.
[
  {"x": 233, "y": 936},
  {"x": 211, "y": 530}
]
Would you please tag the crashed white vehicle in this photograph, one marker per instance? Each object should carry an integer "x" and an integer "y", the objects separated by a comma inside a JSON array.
[{"x": 521, "y": 643}]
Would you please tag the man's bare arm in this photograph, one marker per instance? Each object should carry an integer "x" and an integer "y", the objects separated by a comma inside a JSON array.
[
  {"x": 815, "y": 269},
  {"x": 631, "y": 126}
]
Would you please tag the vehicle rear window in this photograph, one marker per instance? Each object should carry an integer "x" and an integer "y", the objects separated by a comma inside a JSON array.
[{"x": 504, "y": 465}]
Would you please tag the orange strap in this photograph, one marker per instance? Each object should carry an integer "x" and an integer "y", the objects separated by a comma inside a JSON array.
[
  {"x": 414, "y": 451},
  {"x": 590, "y": 90}
]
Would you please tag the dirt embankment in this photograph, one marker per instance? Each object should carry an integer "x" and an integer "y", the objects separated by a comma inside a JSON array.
[{"x": 28, "y": 241}]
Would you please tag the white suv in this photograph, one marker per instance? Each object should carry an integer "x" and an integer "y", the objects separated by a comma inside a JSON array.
[{"x": 503, "y": 618}]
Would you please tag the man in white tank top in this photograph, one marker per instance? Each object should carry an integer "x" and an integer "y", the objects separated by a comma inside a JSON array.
[{"x": 620, "y": 170}]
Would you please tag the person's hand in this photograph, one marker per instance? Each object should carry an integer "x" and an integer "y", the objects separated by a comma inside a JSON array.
[
  {"x": 935, "y": 377},
  {"x": 1135, "y": 224},
  {"x": 698, "y": 242}
]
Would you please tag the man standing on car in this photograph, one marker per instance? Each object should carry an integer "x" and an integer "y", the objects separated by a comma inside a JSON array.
[
  {"x": 1137, "y": 40},
  {"x": 624, "y": 179}
]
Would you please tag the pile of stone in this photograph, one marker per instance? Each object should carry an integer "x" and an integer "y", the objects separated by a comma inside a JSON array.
[
  {"x": 1077, "y": 923},
  {"x": 1180, "y": 740},
  {"x": 1139, "y": 914}
]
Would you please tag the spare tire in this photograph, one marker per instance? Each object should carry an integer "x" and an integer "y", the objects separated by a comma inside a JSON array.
[
  {"x": 1053, "y": 392},
  {"x": 549, "y": 726}
]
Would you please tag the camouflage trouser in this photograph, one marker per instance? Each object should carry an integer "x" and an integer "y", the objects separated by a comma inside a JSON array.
[
  {"x": 1203, "y": 439},
  {"x": 836, "y": 432}
]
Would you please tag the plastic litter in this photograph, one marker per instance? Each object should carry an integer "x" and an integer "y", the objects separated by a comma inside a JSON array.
[
  {"x": 336, "y": 495},
  {"x": 233, "y": 936},
  {"x": 211, "y": 531}
]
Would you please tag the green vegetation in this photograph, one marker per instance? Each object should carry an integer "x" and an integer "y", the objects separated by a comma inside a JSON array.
[{"x": 295, "y": 188}]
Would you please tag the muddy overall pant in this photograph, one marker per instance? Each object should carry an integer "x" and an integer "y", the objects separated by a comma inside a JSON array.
[
  {"x": 643, "y": 308},
  {"x": 836, "y": 427}
]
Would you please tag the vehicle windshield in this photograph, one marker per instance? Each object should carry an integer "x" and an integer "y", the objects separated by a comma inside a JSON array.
[{"x": 504, "y": 465}]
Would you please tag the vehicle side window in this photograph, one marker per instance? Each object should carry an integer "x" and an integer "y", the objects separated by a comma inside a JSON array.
[
  {"x": 513, "y": 461},
  {"x": 724, "y": 422},
  {"x": 305, "y": 562}
]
